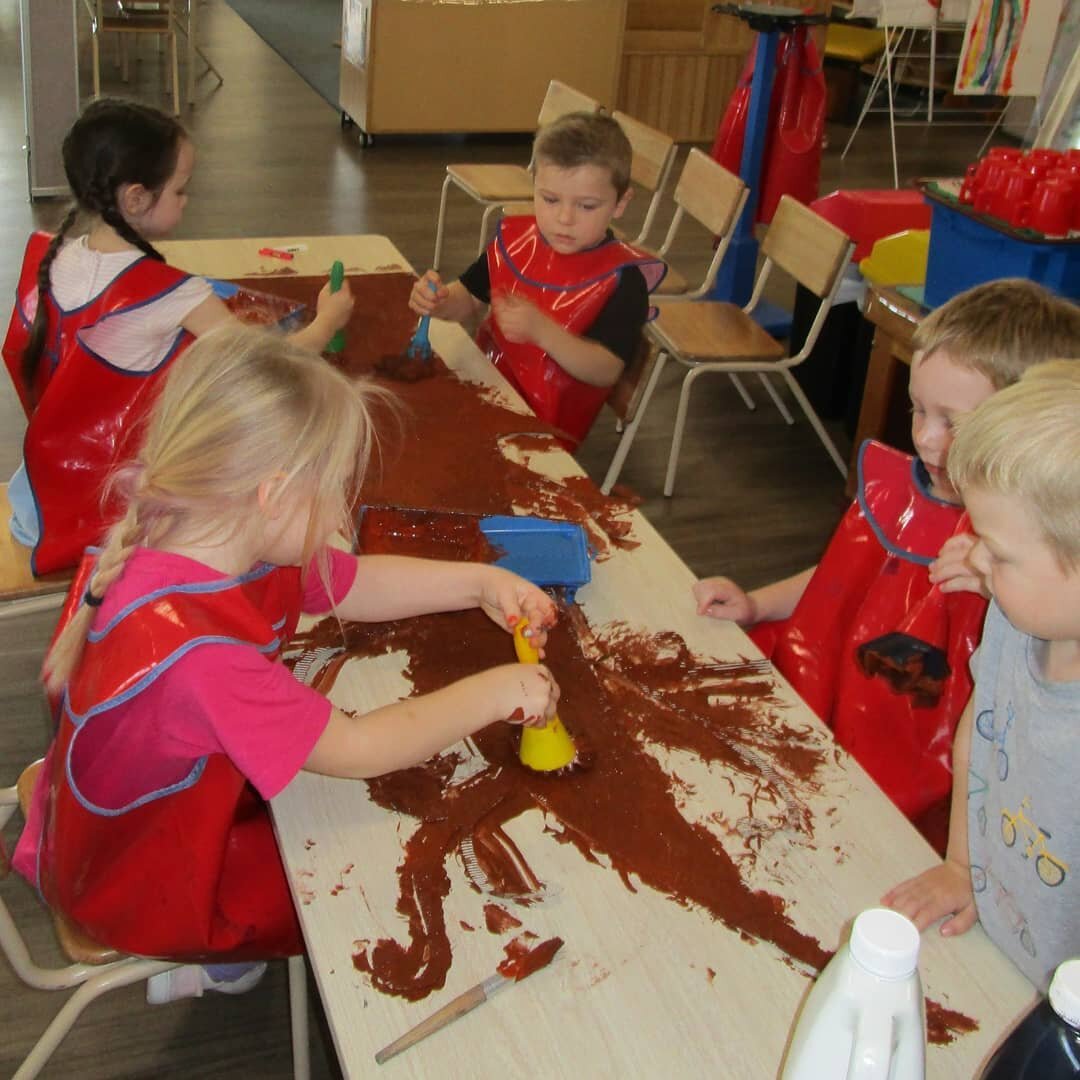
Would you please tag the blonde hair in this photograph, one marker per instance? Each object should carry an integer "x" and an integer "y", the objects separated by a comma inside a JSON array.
[
  {"x": 240, "y": 407},
  {"x": 584, "y": 138},
  {"x": 1024, "y": 442},
  {"x": 1001, "y": 328}
]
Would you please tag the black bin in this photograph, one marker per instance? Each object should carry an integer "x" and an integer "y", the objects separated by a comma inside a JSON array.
[{"x": 834, "y": 373}]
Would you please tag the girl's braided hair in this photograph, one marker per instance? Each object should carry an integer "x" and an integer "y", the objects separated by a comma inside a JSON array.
[{"x": 113, "y": 143}]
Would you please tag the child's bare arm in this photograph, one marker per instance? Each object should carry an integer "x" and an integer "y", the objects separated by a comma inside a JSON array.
[
  {"x": 453, "y": 302},
  {"x": 397, "y": 587},
  {"x": 202, "y": 318},
  {"x": 408, "y": 732},
  {"x": 952, "y": 569},
  {"x": 588, "y": 361},
  {"x": 721, "y": 598},
  {"x": 332, "y": 313},
  {"x": 945, "y": 890}
]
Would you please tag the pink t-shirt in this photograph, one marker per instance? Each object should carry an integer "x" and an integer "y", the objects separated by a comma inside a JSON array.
[{"x": 215, "y": 699}]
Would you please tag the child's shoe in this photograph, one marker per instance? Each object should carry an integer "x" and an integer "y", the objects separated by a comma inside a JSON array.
[{"x": 192, "y": 980}]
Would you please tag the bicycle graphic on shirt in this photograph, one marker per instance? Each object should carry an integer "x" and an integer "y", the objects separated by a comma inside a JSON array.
[
  {"x": 984, "y": 725},
  {"x": 1049, "y": 867}
]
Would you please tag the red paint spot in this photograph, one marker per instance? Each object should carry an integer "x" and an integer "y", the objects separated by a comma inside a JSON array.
[
  {"x": 499, "y": 920},
  {"x": 522, "y": 961}
]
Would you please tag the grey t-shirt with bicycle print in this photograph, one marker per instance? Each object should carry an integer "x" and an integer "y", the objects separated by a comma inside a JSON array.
[{"x": 1023, "y": 826}]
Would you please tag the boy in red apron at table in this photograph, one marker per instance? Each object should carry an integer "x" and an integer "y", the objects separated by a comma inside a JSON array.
[
  {"x": 567, "y": 300},
  {"x": 877, "y": 637}
]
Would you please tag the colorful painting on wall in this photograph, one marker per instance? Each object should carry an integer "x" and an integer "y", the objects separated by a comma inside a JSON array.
[{"x": 1007, "y": 45}]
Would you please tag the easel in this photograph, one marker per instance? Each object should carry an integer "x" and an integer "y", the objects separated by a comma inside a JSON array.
[
  {"x": 1064, "y": 107},
  {"x": 896, "y": 34}
]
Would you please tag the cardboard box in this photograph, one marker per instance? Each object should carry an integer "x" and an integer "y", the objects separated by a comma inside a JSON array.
[{"x": 420, "y": 66}]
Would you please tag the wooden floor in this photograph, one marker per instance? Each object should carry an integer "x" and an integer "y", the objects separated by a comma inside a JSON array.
[{"x": 756, "y": 499}]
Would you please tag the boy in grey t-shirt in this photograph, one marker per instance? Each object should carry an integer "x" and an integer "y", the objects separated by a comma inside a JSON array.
[{"x": 1013, "y": 859}]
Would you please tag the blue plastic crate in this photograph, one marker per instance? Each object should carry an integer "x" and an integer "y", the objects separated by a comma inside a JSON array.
[
  {"x": 544, "y": 551},
  {"x": 966, "y": 250},
  {"x": 272, "y": 310}
]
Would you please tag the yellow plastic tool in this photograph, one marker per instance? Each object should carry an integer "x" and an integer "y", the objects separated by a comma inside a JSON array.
[
  {"x": 549, "y": 748},
  {"x": 899, "y": 259}
]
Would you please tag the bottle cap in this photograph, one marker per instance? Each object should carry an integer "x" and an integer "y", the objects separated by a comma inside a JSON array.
[
  {"x": 1065, "y": 992},
  {"x": 885, "y": 943}
]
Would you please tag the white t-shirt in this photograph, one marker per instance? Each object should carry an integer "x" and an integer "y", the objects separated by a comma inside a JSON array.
[{"x": 136, "y": 340}]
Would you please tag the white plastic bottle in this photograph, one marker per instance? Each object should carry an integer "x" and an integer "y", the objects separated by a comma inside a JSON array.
[{"x": 864, "y": 1018}]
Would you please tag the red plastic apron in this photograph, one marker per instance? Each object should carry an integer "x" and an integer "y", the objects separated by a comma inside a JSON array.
[
  {"x": 791, "y": 164},
  {"x": 572, "y": 290},
  {"x": 191, "y": 872},
  {"x": 872, "y": 647},
  {"x": 84, "y": 414}
]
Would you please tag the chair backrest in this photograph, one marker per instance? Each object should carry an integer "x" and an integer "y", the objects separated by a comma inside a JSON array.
[
  {"x": 653, "y": 154},
  {"x": 652, "y": 151},
  {"x": 714, "y": 198},
  {"x": 809, "y": 248},
  {"x": 709, "y": 193},
  {"x": 627, "y": 393},
  {"x": 561, "y": 99}
]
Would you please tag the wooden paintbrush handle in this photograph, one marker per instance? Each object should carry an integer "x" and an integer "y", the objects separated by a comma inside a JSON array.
[{"x": 450, "y": 1012}]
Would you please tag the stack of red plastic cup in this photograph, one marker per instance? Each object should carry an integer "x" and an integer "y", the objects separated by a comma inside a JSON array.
[{"x": 1038, "y": 190}]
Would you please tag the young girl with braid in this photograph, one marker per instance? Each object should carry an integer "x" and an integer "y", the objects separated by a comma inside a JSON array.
[
  {"x": 148, "y": 827},
  {"x": 98, "y": 318}
]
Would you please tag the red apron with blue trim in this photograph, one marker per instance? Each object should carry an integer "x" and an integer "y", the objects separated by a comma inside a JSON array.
[
  {"x": 191, "y": 872},
  {"x": 570, "y": 289},
  {"x": 879, "y": 653},
  {"x": 85, "y": 415}
]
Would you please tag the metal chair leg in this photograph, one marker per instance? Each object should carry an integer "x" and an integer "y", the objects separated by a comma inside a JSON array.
[
  {"x": 631, "y": 429},
  {"x": 750, "y": 403},
  {"x": 175, "y": 76},
  {"x": 815, "y": 423},
  {"x": 777, "y": 400},
  {"x": 485, "y": 226},
  {"x": 93, "y": 988},
  {"x": 298, "y": 1018},
  {"x": 680, "y": 425}
]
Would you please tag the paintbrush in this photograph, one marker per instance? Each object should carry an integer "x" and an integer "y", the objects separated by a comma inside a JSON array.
[{"x": 509, "y": 971}]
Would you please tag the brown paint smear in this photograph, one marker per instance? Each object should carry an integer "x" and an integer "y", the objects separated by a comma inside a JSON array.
[
  {"x": 441, "y": 448},
  {"x": 626, "y": 694}
]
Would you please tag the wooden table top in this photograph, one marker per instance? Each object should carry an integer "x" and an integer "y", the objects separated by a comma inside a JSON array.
[
  {"x": 644, "y": 985},
  {"x": 895, "y": 314}
]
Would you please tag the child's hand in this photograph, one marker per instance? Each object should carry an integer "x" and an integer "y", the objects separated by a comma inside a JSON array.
[
  {"x": 335, "y": 307},
  {"x": 423, "y": 299},
  {"x": 506, "y": 598},
  {"x": 721, "y": 598},
  {"x": 944, "y": 890},
  {"x": 527, "y": 694},
  {"x": 518, "y": 319},
  {"x": 952, "y": 569}
]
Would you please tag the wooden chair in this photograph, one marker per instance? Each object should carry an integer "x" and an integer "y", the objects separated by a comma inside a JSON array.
[
  {"x": 493, "y": 185},
  {"x": 653, "y": 156},
  {"x": 96, "y": 970},
  {"x": 635, "y": 387},
  {"x": 138, "y": 17},
  {"x": 710, "y": 336},
  {"x": 20, "y": 592},
  {"x": 714, "y": 198}
]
